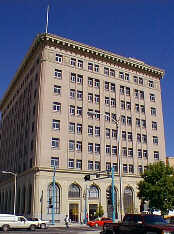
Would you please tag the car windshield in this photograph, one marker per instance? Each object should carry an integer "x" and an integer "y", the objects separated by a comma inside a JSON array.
[{"x": 150, "y": 219}]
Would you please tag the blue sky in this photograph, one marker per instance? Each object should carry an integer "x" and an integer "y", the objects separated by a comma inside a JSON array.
[{"x": 133, "y": 28}]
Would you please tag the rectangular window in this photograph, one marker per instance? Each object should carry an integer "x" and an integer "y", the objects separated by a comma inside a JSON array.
[
  {"x": 123, "y": 119},
  {"x": 80, "y": 63},
  {"x": 71, "y": 145},
  {"x": 131, "y": 168},
  {"x": 145, "y": 154},
  {"x": 124, "y": 168},
  {"x": 154, "y": 125},
  {"x": 140, "y": 80},
  {"x": 90, "y": 130},
  {"x": 112, "y": 73},
  {"x": 79, "y": 79},
  {"x": 130, "y": 152},
  {"x": 107, "y": 132},
  {"x": 79, "y": 128},
  {"x": 129, "y": 121},
  {"x": 58, "y": 74},
  {"x": 127, "y": 76},
  {"x": 140, "y": 169},
  {"x": 114, "y": 150},
  {"x": 136, "y": 79},
  {"x": 108, "y": 166},
  {"x": 79, "y": 146},
  {"x": 106, "y": 71},
  {"x": 122, "y": 105},
  {"x": 107, "y": 116},
  {"x": 113, "y": 102},
  {"x": 57, "y": 89},
  {"x": 136, "y": 94},
  {"x": 142, "y": 95},
  {"x": 90, "y": 147},
  {"x": 72, "y": 127},
  {"x": 90, "y": 66},
  {"x": 79, "y": 95},
  {"x": 137, "y": 122},
  {"x": 73, "y": 62},
  {"x": 59, "y": 58},
  {"x": 97, "y": 148},
  {"x": 155, "y": 140},
  {"x": 97, "y": 115},
  {"x": 121, "y": 75},
  {"x": 96, "y": 68},
  {"x": 153, "y": 111},
  {"x": 55, "y": 142},
  {"x": 139, "y": 153},
  {"x": 73, "y": 77},
  {"x": 127, "y": 91},
  {"x": 90, "y": 165},
  {"x": 106, "y": 85},
  {"x": 142, "y": 107},
  {"x": 124, "y": 135},
  {"x": 122, "y": 90},
  {"x": 151, "y": 84},
  {"x": 112, "y": 87},
  {"x": 54, "y": 162},
  {"x": 90, "y": 113},
  {"x": 56, "y": 124},
  {"x": 57, "y": 106},
  {"x": 108, "y": 149},
  {"x": 143, "y": 123},
  {"x": 124, "y": 151},
  {"x": 97, "y": 98},
  {"x": 96, "y": 83},
  {"x": 79, "y": 164},
  {"x": 138, "y": 137},
  {"x": 156, "y": 155},
  {"x": 137, "y": 107},
  {"x": 90, "y": 82},
  {"x": 97, "y": 166},
  {"x": 129, "y": 136},
  {"x": 152, "y": 97},
  {"x": 128, "y": 105},
  {"x": 72, "y": 93},
  {"x": 90, "y": 97},
  {"x": 115, "y": 166},
  {"x": 107, "y": 101},
  {"x": 71, "y": 163},
  {"x": 97, "y": 131},
  {"x": 72, "y": 110},
  {"x": 144, "y": 139},
  {"x": 79, "y": 110},
  {"x": 114, "y": 133}
]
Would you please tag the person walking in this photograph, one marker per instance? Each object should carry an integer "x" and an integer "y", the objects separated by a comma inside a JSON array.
[{"x": 66, "y": 221}]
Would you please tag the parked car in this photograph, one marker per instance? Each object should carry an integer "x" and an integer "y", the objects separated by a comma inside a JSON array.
[
  {"x": 139, "y": 223},
  {"x": 43, "y": 224},
  {"x": 99, "y": 222},
  {"x": 169, "y": 219}
]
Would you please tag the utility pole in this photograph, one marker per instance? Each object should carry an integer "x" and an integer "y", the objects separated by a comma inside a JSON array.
[
  {"x": 86, "y": 205},
  {"x": 113, "y": 197}
]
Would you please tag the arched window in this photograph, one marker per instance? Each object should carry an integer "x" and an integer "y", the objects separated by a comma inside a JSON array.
[
  {"x": 56, "y": 199},
  {"x": 74, "y": 191},
  {"x": 93, "y": 192},
  {"x": 128, "y": 200},
  {"x": 30, "y": 194},
  {"x": 109, "y": 201}
]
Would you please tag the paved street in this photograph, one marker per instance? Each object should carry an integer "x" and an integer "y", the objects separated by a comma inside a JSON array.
[{"x": 60, "y": 230}]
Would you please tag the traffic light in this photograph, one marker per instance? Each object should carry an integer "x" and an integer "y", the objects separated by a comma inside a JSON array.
[
  {"x": 87, "y": 177},
  {"x": 50, "y": 203},
  {"x": 109, "y": 196}
]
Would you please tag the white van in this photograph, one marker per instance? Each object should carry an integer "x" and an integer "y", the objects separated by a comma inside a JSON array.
[{"x": 8, "y": 221}]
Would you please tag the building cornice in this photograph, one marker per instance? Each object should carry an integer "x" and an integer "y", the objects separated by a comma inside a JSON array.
[{"x": 82, "y": 49}]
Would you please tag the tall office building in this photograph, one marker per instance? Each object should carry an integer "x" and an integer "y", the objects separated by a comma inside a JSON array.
[{"x": 69, "y": 107}]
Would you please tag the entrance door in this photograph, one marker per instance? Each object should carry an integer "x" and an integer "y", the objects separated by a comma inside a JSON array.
[
  {"x": 74, "y": 212},
  {"x": 92, "y": 211}
]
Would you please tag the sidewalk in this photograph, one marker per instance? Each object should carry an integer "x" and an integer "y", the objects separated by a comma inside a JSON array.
[{"x": 70, "y": 224}]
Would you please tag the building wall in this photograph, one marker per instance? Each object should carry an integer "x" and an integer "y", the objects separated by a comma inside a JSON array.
[{"x": 28, "y": 105}]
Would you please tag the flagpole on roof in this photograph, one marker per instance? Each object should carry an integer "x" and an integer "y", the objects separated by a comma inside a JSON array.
[{"x": 48, "y": 8}]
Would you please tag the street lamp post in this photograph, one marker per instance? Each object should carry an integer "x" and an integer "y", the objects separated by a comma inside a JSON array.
[
  {"x": 116, "y": 121},
  {"x": 15, "y": 176}
]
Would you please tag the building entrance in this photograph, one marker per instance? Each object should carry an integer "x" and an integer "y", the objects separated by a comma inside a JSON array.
[
  {"x": 74, "y": 212},
  {"x": 92, "y": 211}
]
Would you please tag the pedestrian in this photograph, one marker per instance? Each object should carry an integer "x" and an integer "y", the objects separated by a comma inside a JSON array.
[{"x": 66, "y": 219}]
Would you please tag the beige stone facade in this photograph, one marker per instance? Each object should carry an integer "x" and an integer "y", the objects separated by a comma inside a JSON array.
[{"x": 47, "y": 121}]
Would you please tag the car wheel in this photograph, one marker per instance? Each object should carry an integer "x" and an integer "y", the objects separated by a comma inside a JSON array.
[
  {"x": 43, "y": 226},
  {"x": 32, "y": 227},
  {"x": 5, "y": 228},
  {"x": 96, "y": 225}
]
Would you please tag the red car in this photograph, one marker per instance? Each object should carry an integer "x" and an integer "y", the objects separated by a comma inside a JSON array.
[{"x": 99, "y": 222}]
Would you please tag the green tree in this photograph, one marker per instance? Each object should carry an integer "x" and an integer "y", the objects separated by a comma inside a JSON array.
[
  {"x": 100, "y": 211},
  {"x": 157, "y": 187}
]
